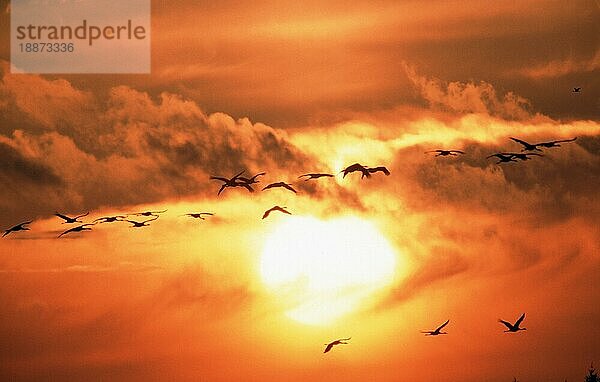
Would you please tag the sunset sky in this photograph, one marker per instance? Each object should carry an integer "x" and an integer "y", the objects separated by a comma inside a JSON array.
[{"x": 296, "y": 87}]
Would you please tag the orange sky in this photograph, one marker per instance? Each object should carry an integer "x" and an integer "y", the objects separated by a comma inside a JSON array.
[{"x": 289, "y": 88}]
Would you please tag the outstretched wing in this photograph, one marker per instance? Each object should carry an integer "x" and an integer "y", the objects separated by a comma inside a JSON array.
[
  {"x": 525, "y": 144},
  {"x": 380, "y": 168},
  {"x": 520, "y": 320},
  {"x": 507, "y": 324},
  {"x": 222, "y": 179},
  {"x": 563, "y": 140},
  {"x": 236, "y": 176},
  {"x": 290, "y": 188},
  {"x": 328, "y": 347},
  {"x": 267, "y": 212},
  {"x": 80, "y": 216},
  {"x": 66, "y": 218},
  {"x": 457, "y": 151},
  {"x": 442, "y": 326}
]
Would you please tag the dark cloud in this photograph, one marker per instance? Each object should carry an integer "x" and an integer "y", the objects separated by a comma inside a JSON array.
[{"x": 140, "y": 150}]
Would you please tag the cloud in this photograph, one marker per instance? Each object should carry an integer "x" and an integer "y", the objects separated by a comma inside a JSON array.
[
  {"x": 130, "y": 150},
  {"x": 559, "y": 68},
  {"x": 470, "y": 97}
]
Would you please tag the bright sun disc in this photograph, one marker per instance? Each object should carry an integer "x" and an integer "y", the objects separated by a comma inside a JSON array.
[{"x": 325, "y": 269}]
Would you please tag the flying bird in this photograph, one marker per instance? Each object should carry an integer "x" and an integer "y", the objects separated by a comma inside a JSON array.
[
  {"x": 281, "y": 184},
  {"x": 70, "y": 220},
  {"x": 502, "y": 158},
  {"x": 341, "y": 341},
  {"x": 526, "y": 145},
  {"x": 276, "y": 208},
  {"x": 198, "y": 215},
  {"x": 142, "y": 223},
  {"x": 356, "y": 167},
  {"x": 437, "y": 331},
  {"x": 18, "y": 227},
  {"x": 373, "y": 170},
  {"x": 577, "y": 90},
  {"x": 109, "y": 219},
  {"x": 555, "y": 143},
  {"x": 232, "y": 182},
  {"x": 79, "y": 228},
  {"x": 148, "y": 213},
  {"x": 522, "y": 156},
  {"x": 444, "y": 153},
  {"x": 314, "y": 176},
  {"x": 515, "y": 327}
]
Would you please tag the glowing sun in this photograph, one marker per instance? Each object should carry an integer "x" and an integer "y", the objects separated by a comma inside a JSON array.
[{"x": 324, "y": 269}]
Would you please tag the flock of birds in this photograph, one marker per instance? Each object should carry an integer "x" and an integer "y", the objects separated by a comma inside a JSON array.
[
  {"x": 511, "y": 328},
  {"x": 505, "y": 157},
  {"x": 238, "y": 180}
]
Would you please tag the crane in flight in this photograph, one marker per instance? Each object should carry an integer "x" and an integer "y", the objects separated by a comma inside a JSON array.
[
  {"x": 136, "y": 224},
  {"x": 502, "y": 158},
  {"x": 341, "y": 341},
  {"x": 233, "y": 182},
  {"x": 356, "y": 167},
  {"x": 513, "y": 327},
  {"x": 437, "y": 331},
  {"x": 79, "y": 228},
  {"x": 198, "y": 215},
  {"x": 281, "y": 184},
  {"x": 276, "y": 208},
  {"x": 526, "y": 145},
  {"x": 69, "y": 220},
  {"x": 445, "y": 153},
  {"x": 310, "y": 176},
  {"x": 148, "y": 213},
  {"x": 523, "y": 156},
  {"x": 109, "y": 219},
  {"x": 18, "y": 227}
]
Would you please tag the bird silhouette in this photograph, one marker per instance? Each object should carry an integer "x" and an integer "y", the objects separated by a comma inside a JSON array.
[
  {"x": 502, "y": 158},
  {"x": 437, "y": 331},
  {"x": 341, "y": 341},
  {"x": 515, "y": 327},
  {"x": 276, "y": 208},
  {"x": 444, "y": 153},
  {"x": 70, "y": 220},
  {"x": 526, "y": 145},
  {"x": 576, "y": 90},
  {"x": 555, "y": 143},
  {"x": 522, "y": 156},
  {"x": 109, "y": 219},
  {"x": 79, "y": 228},
  {"x": 148, "y": 213},
  {"x": 232, "y": 182},
  {"x": 373, "y": 170},
  {"x": 281, "y": 184},
  {"x": 314, "y": 176},
  {"x": 18, "y": 227},
  {"x": 356, "y": 167},
  {"x": 198, "y": 215},
  {"x": 136, "y": 224}
]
